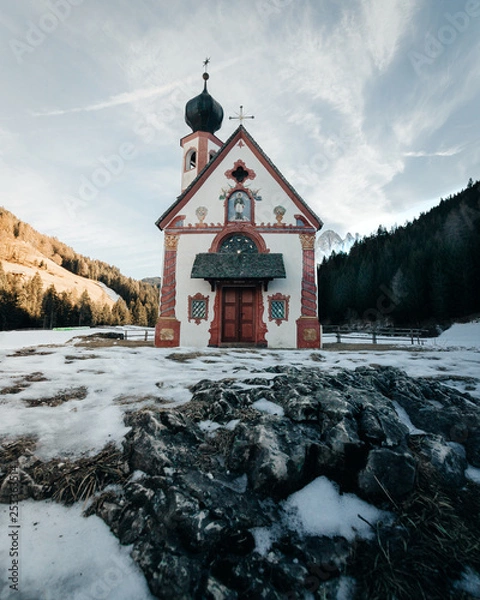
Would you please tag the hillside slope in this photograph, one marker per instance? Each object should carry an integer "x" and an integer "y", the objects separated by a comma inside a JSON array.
[
  {"x": 45, "y": 283},
  {"x": 23, "y": 259}
]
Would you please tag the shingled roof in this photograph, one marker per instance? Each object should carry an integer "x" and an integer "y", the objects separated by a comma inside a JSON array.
[{"x": 223, "y": 265}]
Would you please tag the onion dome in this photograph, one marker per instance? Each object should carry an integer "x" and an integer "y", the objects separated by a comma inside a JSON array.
[{"x": 203, "y": 113}]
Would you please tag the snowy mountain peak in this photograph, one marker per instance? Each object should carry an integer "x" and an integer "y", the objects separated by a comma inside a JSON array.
[{"x": 329, "y": 241}]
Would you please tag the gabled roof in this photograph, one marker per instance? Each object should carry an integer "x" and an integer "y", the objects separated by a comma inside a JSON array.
[{"x": 239, "y": 134}]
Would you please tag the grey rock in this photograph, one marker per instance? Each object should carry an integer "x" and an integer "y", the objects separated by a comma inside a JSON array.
[
  {"x": 388, "y": 473},
  {"x": 192, "y": 498},
  {"x": 447, "y": 459}
]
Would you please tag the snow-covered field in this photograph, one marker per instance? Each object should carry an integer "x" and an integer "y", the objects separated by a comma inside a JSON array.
[{"x": 63, "y": 555}]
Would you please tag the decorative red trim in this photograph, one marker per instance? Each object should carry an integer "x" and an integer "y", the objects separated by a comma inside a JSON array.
[
  {"x": 286, "y": 300},
  {"x": 212, "y": 227},
  {"x": 244, "y": 228},
  {"x": 202, "y": 156},
  {"x": 191, "y": 317},
  {"x": 178, "y": 222},
  {"x": 216, "y": 321},
  {"x": 303, "y": 220},
  {"x": 239, "y": 163},
  {"x": 167, "y": 333},
  {"x": 167, "y": 295},
  {"x": 309, "y": 286},
  {"x": 308, "y": 332},
  {"x": 205, "y": 134},
  {"x": 167, "y": 329},
  {"x": 261, "y": 327}
]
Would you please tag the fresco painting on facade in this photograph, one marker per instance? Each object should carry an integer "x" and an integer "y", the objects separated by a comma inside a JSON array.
[{"x": 239, "y": 207}]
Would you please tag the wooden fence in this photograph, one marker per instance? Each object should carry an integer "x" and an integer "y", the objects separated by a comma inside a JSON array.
[
  {"x": 139, "y": 335},
  {"x": 414, "y": 336}
]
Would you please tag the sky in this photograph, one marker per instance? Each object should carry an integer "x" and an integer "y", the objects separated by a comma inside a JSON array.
[{"x": 368, "y": 107}]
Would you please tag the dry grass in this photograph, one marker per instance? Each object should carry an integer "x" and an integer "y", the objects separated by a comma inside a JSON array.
[
  {"x": 184, "y": 356},
  {"x": 68, "y": 482},
  {"x": 436, "y": 535},
  {"x": 63, "y": 396},
  {"x": 35, "y": 351},
  {"x": 70, "y": 358},
  {"x": 11, "y": 450},
  {"x": 23, "y": 383}
]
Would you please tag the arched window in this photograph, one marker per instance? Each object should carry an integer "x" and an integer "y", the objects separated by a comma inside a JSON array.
[
  {"x": 190, "y": 160},
  {"x": 238, "y": 244}
]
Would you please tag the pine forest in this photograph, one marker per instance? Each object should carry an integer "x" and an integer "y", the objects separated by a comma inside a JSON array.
[{"x": 422, "y": 274}]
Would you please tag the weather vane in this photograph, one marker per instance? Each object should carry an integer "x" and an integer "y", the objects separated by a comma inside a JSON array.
[
  {"x": 241, "y": 116},
  {"x": 206, "y": 62}
]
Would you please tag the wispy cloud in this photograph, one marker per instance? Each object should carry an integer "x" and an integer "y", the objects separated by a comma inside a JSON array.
[
  {"x": 422, "y": 153},
  {"x": 384, "y": 25},
  {"x": 117, "y": 100},
  {"x": 338, "y": 107}
]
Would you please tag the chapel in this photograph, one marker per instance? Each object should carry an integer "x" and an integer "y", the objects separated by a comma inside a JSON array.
[{"x": 239, "y": 245}]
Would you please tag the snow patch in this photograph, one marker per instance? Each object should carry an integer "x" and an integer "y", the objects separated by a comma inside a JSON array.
[
  {"x": 110, "y": 293},
  {"x": 264, "y": 539},
  {"x": 230, "y": 426},
  {"x": 346, "y": 588},
  {"x": 461, "y": 335},
  {"x": 208, "y": 425},
  {"x": 320, "y": 509},
  {"x": 65, "y": 555},
  {"x": 473, "y": 473},
  {"x": 405, "y": 419},
  {"x": 264, "y": 405},
  {"x": 470, "y": 583}
]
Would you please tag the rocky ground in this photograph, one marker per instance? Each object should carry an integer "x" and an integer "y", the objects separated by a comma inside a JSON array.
[{"x": 194, "y": 484}]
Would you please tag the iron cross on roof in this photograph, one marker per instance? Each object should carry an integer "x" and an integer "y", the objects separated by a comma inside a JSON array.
[{"x": 241, "y": 116}]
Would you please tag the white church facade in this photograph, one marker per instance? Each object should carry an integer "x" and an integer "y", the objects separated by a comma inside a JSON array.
[{"x": 239, "y": 246}]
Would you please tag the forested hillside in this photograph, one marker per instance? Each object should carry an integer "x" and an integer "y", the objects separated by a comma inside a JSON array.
[
  {"x": 422, "y": 273},
  {"x": 26, "y": 259}
]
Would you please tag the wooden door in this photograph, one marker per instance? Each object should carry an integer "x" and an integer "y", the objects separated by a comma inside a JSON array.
[{"x": 238, "y": 315}]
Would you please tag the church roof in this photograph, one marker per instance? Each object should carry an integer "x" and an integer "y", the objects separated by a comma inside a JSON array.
[
  {"x": 220, "y": 265},
  {"x": 239, "y": 133}
]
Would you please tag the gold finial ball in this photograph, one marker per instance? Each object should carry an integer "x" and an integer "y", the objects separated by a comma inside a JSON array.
[{"x": 205, "y": 76}]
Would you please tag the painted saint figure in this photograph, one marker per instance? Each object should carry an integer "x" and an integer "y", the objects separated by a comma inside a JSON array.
[{"x": 239, "y": 207}]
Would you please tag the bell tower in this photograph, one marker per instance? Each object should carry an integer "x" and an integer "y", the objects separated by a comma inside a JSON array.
[{"x": 204, "y": 115}]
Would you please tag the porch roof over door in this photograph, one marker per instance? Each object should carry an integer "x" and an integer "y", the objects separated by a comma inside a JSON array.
[{"x": 220, "y": 265}]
